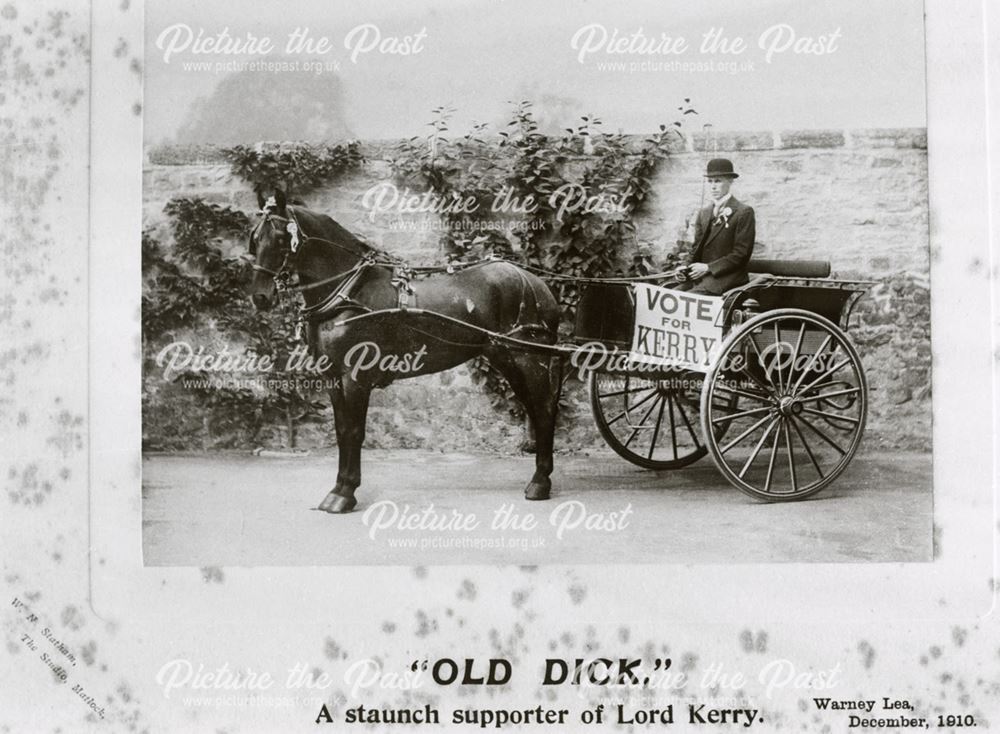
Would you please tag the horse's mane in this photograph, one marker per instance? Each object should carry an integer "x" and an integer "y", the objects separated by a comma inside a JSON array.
[{"x": 320, "y": 225}]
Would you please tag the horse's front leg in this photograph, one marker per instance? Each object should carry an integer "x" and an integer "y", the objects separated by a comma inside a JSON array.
[
  {"x": 350, "y": 412},
  {"x": 529, "y": 444},
  {"x": 340, "y": 426}
]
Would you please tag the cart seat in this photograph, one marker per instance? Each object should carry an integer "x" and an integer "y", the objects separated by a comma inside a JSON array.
[{"x": 791, "y": 268}]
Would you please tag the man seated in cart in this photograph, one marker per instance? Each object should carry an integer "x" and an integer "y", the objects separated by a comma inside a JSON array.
[{"x": 725, "y": 232}]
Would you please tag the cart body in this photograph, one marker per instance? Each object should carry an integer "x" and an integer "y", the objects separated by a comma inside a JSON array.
[{"x": 781, "y": 407}]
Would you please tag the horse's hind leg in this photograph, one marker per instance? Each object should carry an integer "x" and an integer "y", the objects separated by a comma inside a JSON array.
[
  {"x": 350, "y": 412},
  {"x": 537, "y": 382}
]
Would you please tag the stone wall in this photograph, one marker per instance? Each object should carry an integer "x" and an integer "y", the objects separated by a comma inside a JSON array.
[
  {"x": 858, "y": 199},
  {"x": 855, "y": 197}
]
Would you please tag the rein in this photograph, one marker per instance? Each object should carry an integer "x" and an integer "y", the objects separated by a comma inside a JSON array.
[
  {"x": 370, "y": 257},
  {"x": 366, "y": 257},
  {"x": 339, "y": 296}
]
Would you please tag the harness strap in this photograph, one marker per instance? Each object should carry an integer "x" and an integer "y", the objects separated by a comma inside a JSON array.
[
  {"x": 340, "y": 297},
  {"x": 401, "y": 281},
  {"x": 550, "y": 275},
  {"x": 332, "y": 278},
  {"x": 262, "y": 269}
]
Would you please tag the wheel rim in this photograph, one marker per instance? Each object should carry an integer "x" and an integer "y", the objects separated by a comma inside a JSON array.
[
  {"x": 803, "y": 405},
  {"x": 653, "y": 423}
]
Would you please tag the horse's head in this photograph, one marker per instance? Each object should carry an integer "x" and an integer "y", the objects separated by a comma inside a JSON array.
[{"x": 273, "y": 242}]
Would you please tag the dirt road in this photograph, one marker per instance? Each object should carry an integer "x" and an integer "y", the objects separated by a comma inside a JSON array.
[{"x": 425, "y": 508}]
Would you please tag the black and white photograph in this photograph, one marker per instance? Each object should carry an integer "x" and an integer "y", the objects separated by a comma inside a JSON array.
[{"x": 536, "y": 302}]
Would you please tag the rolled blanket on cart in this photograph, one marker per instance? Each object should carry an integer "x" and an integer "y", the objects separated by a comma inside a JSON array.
[{"x": 791, "y": 268}]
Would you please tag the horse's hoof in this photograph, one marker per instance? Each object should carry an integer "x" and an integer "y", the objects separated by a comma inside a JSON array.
[
  {"x": 537, "y": 491},
  {"x": 528, "y": 446},
  {"x": 336, "y": 504}
]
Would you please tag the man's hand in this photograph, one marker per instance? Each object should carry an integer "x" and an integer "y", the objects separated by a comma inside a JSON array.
[{"x": 697, "y": 271}]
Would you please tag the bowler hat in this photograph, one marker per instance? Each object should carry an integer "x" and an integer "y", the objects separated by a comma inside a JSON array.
[{"x": 720, "y": 167}]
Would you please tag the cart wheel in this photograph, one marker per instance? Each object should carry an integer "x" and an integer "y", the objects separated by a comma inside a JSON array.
[
  {"x": 650, "y": 422},
  {"x": 803, "y": 404}
]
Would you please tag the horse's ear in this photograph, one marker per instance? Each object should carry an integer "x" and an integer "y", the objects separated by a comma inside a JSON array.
[
  {"x": 260, "y": 199},
  {"x": 279, "y": 200}
]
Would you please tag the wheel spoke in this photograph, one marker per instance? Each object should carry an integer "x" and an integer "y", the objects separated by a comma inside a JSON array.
[
  {"x": 779, "y": 352},
  {"x": 812, "y": 361},
  {"x": 656, "y": 434},
  {"x": 827, "y": 373},
  {"x": 612, "y": 394},
  {"x": 646, "y": 392},
  {"x": 822, "y": 435},
  {"x": 770, "y": 461},
  {"x": 791, "y": 455},
  {"x": 832, "y": 416},
  {"x": 639, "y": 427},
  {"x": 673, "y": 426},
  {"x": 758, "y": 447},
  {"x": 680, "y": 409},
  {"x": 824, "y": 395},
  {"x": 745, "y": 433},
  {"x": 628, "y": 407},
  {"x": 805, "y": 444},
  {"x": 766, "y": 389},
  {"x": 744, "y": 394},
  {"x": 741, "y": 414},
  {"x": 795, "y": 354}
]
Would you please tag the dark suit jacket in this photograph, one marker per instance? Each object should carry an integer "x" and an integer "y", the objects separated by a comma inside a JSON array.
[{"x": 725, "y": 249}]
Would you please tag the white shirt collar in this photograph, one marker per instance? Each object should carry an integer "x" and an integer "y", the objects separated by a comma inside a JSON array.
[{"x": 717, "y": 205}]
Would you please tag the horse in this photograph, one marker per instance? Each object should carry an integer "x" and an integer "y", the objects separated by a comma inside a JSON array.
[{"x": 359, "y": 301}]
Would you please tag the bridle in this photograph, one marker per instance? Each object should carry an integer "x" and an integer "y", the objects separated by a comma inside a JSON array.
[
  {"x": 283, "y": 274},
  {"x": 344, "y": 283},
  {"x": 297, "y": 240}
]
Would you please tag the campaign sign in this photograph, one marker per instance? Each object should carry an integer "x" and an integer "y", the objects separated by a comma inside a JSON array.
[{"x": 675, "y": 328}]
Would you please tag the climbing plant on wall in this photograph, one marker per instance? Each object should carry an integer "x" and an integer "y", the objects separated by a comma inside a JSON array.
[
  {"x": 194, "y": 294},
  {"x": 610, "y": 175},
  {"x": 192, "y": 288},
  {"x": 297, "y": 168}
]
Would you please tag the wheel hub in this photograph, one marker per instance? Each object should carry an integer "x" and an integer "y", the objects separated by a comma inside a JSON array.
[{"x": 788, "y": 406}]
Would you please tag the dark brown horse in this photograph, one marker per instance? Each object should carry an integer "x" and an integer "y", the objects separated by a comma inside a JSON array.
[{"x": 375, "y": 321}]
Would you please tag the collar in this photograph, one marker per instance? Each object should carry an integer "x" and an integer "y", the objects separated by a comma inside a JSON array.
[{"x": 717, "y": 205}]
